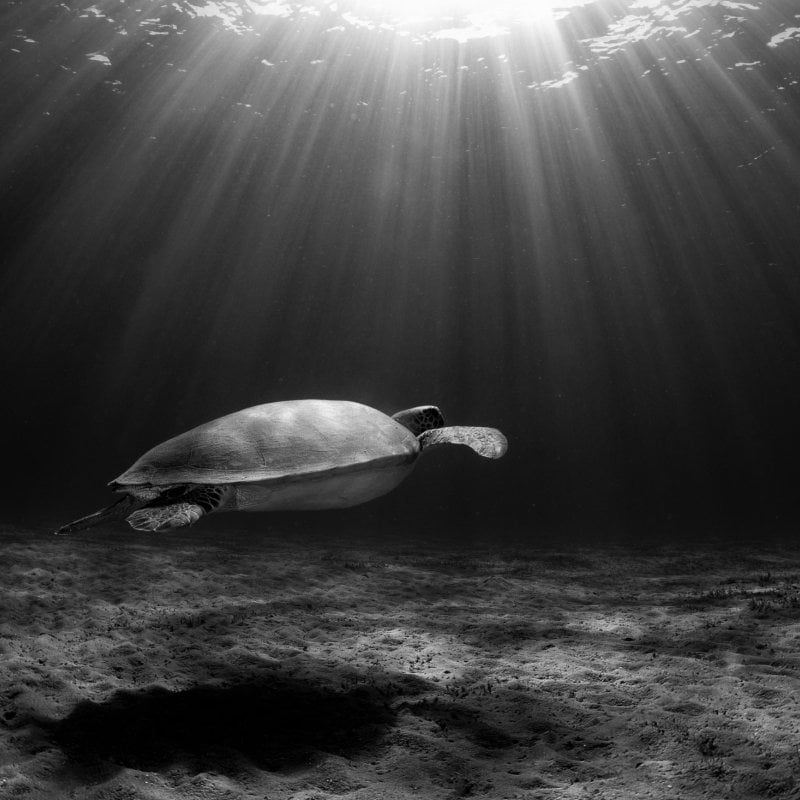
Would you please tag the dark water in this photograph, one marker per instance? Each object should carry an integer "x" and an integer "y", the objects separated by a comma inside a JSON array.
[{"x": 584, "y": 231}]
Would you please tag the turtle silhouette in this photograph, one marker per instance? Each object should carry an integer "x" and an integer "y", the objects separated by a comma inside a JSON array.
[{"x": 289, "y": 455}]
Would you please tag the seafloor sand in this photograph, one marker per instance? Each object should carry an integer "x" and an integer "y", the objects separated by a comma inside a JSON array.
[{"x": 182, "y": 666}]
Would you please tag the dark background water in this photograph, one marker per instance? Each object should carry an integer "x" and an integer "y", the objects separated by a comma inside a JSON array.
[{"x": 607, "y": 269}]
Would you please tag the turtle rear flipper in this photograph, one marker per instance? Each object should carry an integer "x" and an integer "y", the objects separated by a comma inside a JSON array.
[
  {"x": 486, "y": 442},
  {"x": 193, "y": 504},
  {"x": 119, "y": 509}
]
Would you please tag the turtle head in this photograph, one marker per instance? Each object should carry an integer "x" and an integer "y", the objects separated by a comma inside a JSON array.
[{"x": 420, "y": 419}]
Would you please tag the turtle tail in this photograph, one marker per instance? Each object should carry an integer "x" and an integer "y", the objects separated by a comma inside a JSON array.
[{"x": 121, "y": 509}]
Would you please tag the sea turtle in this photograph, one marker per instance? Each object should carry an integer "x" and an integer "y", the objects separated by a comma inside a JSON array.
[{"x": 290, "y": 455}]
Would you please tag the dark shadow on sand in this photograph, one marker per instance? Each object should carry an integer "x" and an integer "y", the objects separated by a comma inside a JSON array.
[{"x": 270, "y": 724}]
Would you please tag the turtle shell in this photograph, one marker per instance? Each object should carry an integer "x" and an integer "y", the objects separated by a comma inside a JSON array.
[{"x": 289, "y": 439}]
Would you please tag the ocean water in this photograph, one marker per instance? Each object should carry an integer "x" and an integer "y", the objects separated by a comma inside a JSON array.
[{"x": 579, "y": 223}]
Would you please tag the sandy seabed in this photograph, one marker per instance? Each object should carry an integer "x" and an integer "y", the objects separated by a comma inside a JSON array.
[{"x": 206, "y": 664}]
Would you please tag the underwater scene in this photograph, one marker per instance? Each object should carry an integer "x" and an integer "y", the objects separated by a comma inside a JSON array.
[{"x": 413, "y": 388}]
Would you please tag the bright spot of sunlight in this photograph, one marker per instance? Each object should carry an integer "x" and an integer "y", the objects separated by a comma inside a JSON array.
[{"x": 461, "y": 20}]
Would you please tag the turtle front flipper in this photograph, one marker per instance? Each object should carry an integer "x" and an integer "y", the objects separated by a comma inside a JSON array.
[
  {"x": 486, "y": 442},
  {"x": 195, "y": 503},
  {"x": 161, "y": 518}
]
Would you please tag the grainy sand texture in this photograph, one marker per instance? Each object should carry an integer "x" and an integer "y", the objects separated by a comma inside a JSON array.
[{"x": 217, "y": 664}]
